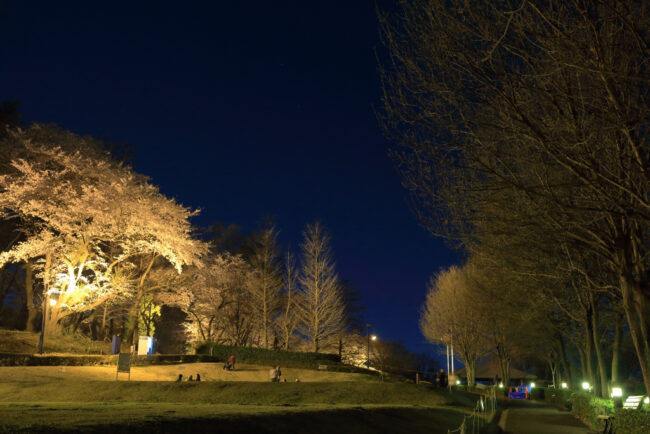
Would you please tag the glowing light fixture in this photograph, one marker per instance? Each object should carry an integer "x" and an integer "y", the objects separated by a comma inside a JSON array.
[
  {"x": 500, "y": 385},
  {"x": 586, "y": 386},
  {"x": 458, "y": 382},
  {"x": 532, "y": 385},
  {"x": 617, "y": 392},
  {"x": 373, "y": 337},
  {"x": 565, "y": 386},
  {"x": 52, "y": 302},
  {"x": 647, "y": 400}
]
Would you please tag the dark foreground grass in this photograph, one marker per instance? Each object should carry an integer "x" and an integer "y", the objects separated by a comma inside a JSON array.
[
  {"x": 221, "y": 392},
  {"x": 199, "y": 418},
  {"x": 227, "y": 407}
]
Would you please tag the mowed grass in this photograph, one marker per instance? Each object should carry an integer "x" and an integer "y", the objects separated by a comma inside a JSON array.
[
  {"x": 199, "y": 418},
  {"x": 208, "y": 372},
  {"x": 88, "y": 399},
  {"x": 242, "y": 393},
  {"x": 226, "y": 406}
]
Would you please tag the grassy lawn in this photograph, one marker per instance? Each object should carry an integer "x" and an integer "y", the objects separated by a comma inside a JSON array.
[
  {"x": 88, "y": 399},
  {"x": 208, "y": 371},
  {"x": 57, "y": 404},
  {"x": 243, "y": 393},
  {"x": 197, "y": 418}
]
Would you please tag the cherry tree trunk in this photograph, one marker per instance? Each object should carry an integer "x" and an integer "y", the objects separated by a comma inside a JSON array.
[{"x": 32, "y": 310}]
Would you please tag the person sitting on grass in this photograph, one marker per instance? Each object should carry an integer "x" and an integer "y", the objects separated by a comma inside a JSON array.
[
  {"x": 230, "y": 364},
  {"x": 275, "y": 374},
  {"x": 180, "y": 378},
  {"x": 198, "y": 377}
]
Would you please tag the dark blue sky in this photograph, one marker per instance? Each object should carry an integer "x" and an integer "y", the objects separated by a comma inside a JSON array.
[{"x": 242, "y": 110}]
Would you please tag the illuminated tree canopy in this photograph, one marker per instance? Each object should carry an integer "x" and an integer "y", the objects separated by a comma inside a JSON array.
[{"x": 85, "y": 217}]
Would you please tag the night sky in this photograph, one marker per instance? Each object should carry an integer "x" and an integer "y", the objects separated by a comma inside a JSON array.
[{"x": 242, "y": 110}]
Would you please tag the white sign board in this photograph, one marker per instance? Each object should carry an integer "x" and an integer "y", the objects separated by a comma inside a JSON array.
[{"x": 145, "y": 345}]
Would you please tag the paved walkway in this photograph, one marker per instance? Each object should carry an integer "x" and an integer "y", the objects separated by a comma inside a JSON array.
[{"x": 526, "y": 417}]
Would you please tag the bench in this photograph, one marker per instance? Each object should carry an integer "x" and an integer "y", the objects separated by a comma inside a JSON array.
[
  {"x": 608, "y": 428},
  {"x": 633, "y": 402}
]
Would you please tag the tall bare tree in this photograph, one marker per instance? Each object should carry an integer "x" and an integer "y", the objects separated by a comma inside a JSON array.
[
  {"x": 451, "y": 316},
  {"x": 320, "y": 307},
  {"x": 265, "y": 286},
  {"x": 546, "y": 99},
  {"x": 288, "y": 319}
]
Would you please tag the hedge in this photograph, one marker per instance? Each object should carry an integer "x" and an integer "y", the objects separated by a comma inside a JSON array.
[
  {"x": 11, "y": 359},
  {"x": 249, "y": 354},
  {"x": 631, "y": 421},
  {"x": 587, "y": 407},
  {"x": 558, "y": 397},
  {"x": 90, "y": 360}
]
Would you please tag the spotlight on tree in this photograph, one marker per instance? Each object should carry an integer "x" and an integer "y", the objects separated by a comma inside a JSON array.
[{"x": 586, "y": 386}]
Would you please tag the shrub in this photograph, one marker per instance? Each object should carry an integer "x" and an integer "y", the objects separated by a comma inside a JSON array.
[
  {"x": 558, "y": 397},
  {"x": 539, "y": 393},
  {"x": 631, "y": 421},
  {"x": 10, "y": 359},
  {"x": 587, "y": 407}
]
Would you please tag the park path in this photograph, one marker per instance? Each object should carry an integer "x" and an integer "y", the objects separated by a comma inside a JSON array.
[{"x": 526, "y": 417}]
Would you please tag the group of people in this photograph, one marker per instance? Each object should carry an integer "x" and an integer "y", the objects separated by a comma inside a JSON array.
[
  {"x": 275, "y": 374},
  {"x": 191, "y": 378}
]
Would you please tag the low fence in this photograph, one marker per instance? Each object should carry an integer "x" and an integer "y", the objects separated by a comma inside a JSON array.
[{"x": 484, "y": 410}]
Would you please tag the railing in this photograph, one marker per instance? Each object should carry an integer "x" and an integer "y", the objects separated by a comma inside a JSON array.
[{"x": 484, "y": 409}]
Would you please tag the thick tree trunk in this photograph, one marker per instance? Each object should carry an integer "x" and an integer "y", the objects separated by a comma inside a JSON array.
[
  {"x": 101, "y": 333},
  {"x": 602, "y": 370},
  {"x": 504, "y": 366},
  {"x": 568, "y": 375},
  {"x": 589, "y": 355},
  {"x": 616, "y": 349},
  {"x": 583, "y": 363},
  {"x": 471, "y": 372},
  {"x": 637, "y": 312},
  {"x": 134, "y": 310},
  {"x": 32, "y": 310}
]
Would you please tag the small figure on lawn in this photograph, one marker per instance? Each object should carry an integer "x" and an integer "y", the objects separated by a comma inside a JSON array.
[
  {"x": 180, "y": 378},
  {"x": 198, "y": 377},
  {"x": 230, "y": 364},
  {"x": 442, "y": 375},
  {"x": 190, "y": 379},
  {"x": 275, "y": 374}
]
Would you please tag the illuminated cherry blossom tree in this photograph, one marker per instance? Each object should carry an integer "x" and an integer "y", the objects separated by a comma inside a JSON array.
[{"x": 86, "y": 219}]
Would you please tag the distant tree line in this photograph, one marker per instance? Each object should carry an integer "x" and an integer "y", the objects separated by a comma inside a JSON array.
[{"x": 523, "y": 132}]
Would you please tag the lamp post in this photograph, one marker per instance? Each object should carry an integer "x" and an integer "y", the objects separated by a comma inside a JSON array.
[
  {"x": 368, "y": 346},
  {"x": 47, "y": 301}
]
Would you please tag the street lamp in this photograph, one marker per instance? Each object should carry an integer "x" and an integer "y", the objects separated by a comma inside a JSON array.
[
  {"x": 51, "y": 302},
  {"x": 368, "y": 346}
]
